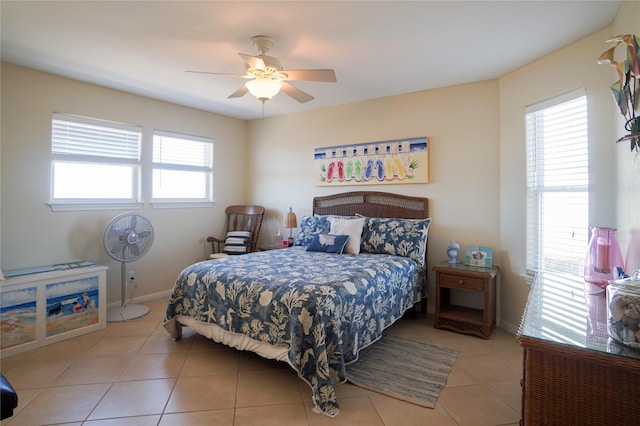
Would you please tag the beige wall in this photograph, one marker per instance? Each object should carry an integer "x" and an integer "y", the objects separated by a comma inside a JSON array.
[
  {"x": 461, "y": 123},
  {"x": 33, "y": 235}
]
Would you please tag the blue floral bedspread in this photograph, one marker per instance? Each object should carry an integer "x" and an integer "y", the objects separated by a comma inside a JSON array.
[{"x": 323, "y": 307}]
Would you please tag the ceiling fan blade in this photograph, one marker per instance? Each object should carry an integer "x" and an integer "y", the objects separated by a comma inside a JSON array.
[
  {"x": 296, "y": 93},
  {"x": 222, "y": 74},
  {"x": 326, "y": 75},
  {"x": 254, "y": 62},
  {"x": 239, "y": 93}
]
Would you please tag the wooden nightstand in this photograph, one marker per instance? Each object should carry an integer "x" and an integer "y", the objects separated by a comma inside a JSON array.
[{"x": 459, "y": 277}]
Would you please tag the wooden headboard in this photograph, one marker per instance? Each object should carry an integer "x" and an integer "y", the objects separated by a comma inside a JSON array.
[{"x": 372, "y": 204}]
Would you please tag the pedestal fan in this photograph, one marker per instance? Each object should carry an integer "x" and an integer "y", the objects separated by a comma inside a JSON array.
[{"x": 128, "y": 237}]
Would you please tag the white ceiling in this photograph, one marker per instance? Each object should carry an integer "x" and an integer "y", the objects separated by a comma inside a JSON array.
[{"x": 377, "y": 49}]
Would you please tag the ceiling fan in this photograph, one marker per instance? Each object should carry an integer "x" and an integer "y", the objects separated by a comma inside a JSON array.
[{"x": 267, "y": 78}]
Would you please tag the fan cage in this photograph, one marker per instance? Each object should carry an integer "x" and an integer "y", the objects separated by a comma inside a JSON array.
[{"x": 128, "y": 237}]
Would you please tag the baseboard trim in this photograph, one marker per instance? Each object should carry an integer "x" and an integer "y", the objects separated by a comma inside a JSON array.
[{"x": 145, "y": 298}]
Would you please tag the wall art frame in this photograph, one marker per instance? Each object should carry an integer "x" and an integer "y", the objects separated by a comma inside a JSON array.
[{"x": 399, "y": 161}]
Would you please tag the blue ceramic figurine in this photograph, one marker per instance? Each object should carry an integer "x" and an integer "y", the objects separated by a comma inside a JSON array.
[{"x": 452, "y": 252}]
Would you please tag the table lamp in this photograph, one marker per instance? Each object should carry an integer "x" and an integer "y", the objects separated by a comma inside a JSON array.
[{"x": 291, "y": 222}]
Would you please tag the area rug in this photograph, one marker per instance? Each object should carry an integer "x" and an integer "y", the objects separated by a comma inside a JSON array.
[{"x": 404, "y": 369}]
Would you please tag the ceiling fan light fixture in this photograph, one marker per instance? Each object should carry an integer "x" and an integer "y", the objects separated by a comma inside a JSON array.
[{"x": 264, "y": 89}]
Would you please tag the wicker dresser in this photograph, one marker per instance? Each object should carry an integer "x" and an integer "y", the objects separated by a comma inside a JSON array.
[{"x": 573, "y": 373}]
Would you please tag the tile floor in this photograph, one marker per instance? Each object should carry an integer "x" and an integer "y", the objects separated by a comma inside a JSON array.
[{"x": 133, "y": 374}]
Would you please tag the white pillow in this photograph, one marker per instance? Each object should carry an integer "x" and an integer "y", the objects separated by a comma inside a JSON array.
[{"x": 350, "y": 227}]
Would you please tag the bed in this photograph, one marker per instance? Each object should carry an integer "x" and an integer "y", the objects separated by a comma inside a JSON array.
[{"x": 358, "y": 264}]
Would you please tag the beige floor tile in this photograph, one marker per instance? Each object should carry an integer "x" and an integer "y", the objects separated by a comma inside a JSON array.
[
  {"x": 25, "y": 396},
  {"x": 267, "y": 388},
  {"x": 163, "y": 344},
  {"x": 204, "y": 363},
  {"x": 203, "y": 393},
  {"x": 355, "y": 411},
  {"x": 476, "y": 405},
  {"x": 64, "y": 350},
  {"x": 160, "y": 330},
  {"x": 199, "y": 418},
  {"x": 138, "y": 398},
  {"x": 61, "y": 404},
  {"x": 153, "y": 366},
  {"x": 272, "y": 415},
  {"x": 34, "y": 374},
  {"x": 489, "y": 367},
  {"x": 513, "y": 354},
  {"x": 10, "y": 361},
  {"x": 131, "y": 328},
  {"x": 414, "y": 329},
  {"x": 399, "y": 413},
  {"x": 343, "y": 390},
  {"x": 126, "y": 421},
  {"x": 460, "y": 377},
  {"x": 117, "y": 346},
  {"x": 158, "y": 309},
  {"x": 509, "y": 392},
  {"x": 92, "y": 370},
  {"x": 466, "y": 344}
]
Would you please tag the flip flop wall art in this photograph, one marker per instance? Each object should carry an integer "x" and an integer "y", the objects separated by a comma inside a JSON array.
[{"x": 373, "y": 163}]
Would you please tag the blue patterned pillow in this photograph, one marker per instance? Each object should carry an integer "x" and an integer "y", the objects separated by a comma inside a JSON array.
[
  {"x": 234, "y": 243},
  {"x": 400, "y": 237},
  {"x": 310, "y": 226},
  {"x": 328, "y": 243}
]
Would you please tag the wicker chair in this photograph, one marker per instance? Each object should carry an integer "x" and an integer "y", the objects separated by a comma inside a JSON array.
[{"x": 242, "y": 227}]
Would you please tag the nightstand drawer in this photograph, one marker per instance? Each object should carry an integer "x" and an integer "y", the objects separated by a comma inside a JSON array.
[{"x": 461, "y": 282}]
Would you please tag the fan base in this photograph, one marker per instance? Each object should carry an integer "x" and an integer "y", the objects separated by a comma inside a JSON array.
[{"x": 126, "y": 313}]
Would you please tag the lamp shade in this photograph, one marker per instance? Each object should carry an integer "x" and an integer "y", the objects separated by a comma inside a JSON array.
[
  {"x": 291, "y": 220},
  {"x": 263, "y": 88}
]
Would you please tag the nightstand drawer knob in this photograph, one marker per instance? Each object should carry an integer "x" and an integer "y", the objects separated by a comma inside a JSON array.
[{"x": 461, "y": 282}]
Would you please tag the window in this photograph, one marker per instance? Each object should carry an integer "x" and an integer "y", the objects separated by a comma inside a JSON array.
[
  {"x": 557, "y": 186},
  {"x": 182, "y": 168},
  {"x": 94, "y": 161}
]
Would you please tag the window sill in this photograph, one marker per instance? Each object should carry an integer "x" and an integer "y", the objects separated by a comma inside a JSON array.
[
  {"x": 180, "y": 204},
  {"x": 68, "y": 207}
]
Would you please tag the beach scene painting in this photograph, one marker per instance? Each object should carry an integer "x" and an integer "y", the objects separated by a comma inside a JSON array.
[
  {"x": 72, "y": 305},
  {"x": 373, "y": 163},
  {"x": 18, "y": 317}
]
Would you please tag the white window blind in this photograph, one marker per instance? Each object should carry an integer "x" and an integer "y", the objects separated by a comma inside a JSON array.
[
  {"x": 557, "y": 185},
  {"x": 182, "y": 167},
  {"x": 94, "y": 161},
  {"x": 76, "y": 137}
]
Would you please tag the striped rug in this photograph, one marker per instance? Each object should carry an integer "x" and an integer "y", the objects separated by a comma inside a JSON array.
[{"x": 404, "y": 369}]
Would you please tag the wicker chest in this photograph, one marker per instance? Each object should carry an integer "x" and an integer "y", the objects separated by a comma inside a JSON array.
[{"x": 574, "y": 374}]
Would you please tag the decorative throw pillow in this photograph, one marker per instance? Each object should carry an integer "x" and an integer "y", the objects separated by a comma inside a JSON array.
[
  {"x": 400, "y": 237},
  {"x": 350, "y": 227},
  {"x": 310, "y": 226},
  {"x": 328, "y": 243},
  {"x": 234, "y": 243}
]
